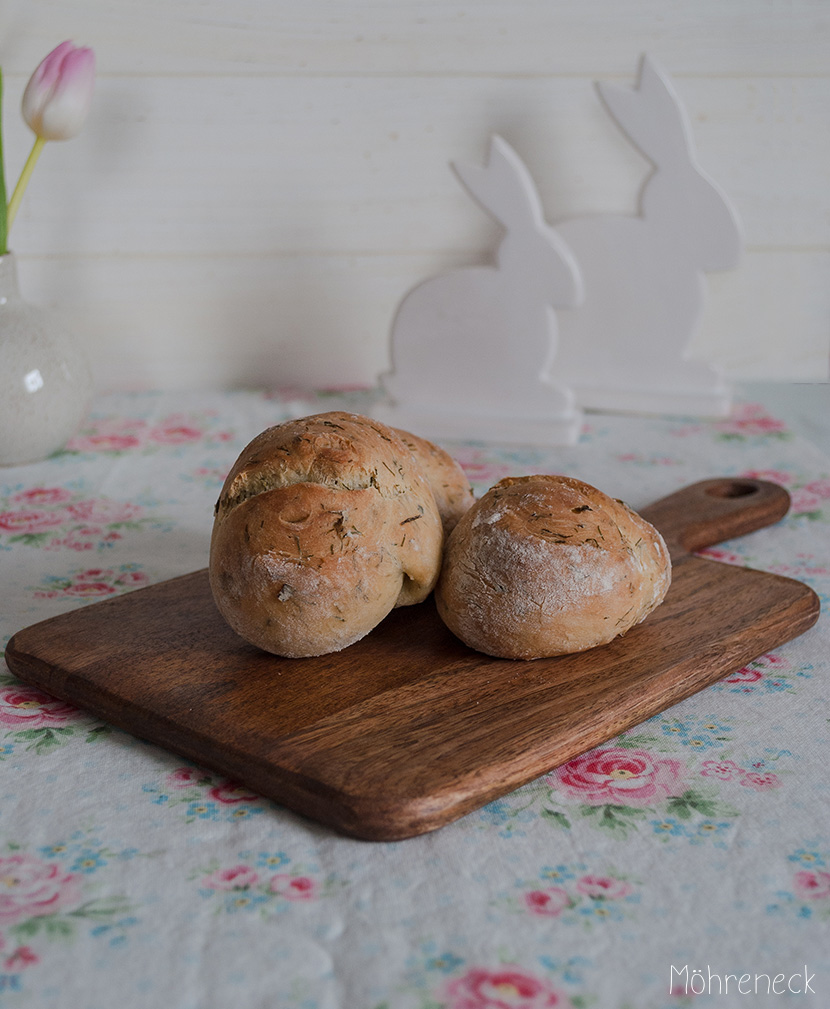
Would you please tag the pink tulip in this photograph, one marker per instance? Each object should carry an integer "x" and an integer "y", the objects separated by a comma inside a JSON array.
[{"x": 59, "y": 93}]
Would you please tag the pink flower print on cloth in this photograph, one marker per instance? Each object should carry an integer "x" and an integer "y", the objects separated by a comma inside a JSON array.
[
  {"x": 814, "y": 885},
  {"x": 725, "y": 770},
  {"x": 582, "y": 900},
  {"x": 31, "y": 888},
  {"x": 619, "y": 776},
  {"x": 23, "y": 956},
  {"x": 201, "y": 796},
  {"x": 103, "y": 511},
  {"x": 238, "y": 877},
  {"x": 122, "y": 434},
  {"x": 175, "y": 431},
  {"x": 804, "y": 502},
  {"x": 27, "y": 707},
  {"x": 91, "y": 583},
  {"x": 768, "y": 674},
  {"x": 293, "y": 887},
  {"x": 104, "y": 442},
  {"x": 54, "y": 519},
  {"x": 744, "y": 675},
  {"x": 30, "y": 521},
  {"x": 750, "y": 419},
  {"x": 89, "y": 588},
  {"x": 549, "y": 903},
  {"x": 506, "y": 987},
  {"x": 604, "y": 887},
  {"x": 779, "y": 476},
  {"x": 184, "y": 777},
  {"x": 38, "y": 497},
  {"x": 230, "y": 793},
  {"x": 245, "y": 887},
  {"x": 760, "y": 781},
  {"x": 821, "y": 487},
  {"x": 809, "y": 893}
]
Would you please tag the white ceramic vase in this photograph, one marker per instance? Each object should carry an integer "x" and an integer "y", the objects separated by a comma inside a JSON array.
[{"x": 45, "y": 379}]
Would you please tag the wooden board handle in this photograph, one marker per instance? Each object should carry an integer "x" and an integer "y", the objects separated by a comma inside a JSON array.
[{"x": 711, "y": 511}]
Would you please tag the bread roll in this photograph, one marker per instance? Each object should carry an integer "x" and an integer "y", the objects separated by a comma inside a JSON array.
[
  {"x": 544, "y": 565},
  {"x": 448, "y": 481},
  {"x": 323, "y": 525}
]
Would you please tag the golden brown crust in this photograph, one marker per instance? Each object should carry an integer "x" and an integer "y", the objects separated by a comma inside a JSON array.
[
  {"x": 323, "y": 526},
  {"x": 449, "y": 483},
  {"x": 545, "y": 565}
]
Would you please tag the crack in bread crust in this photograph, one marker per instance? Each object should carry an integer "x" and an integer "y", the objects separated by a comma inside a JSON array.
[{"x": 325, "y": 450}]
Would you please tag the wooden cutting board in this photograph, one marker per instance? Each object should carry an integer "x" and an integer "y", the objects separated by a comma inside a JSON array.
[{"x": 409, "y": 729}]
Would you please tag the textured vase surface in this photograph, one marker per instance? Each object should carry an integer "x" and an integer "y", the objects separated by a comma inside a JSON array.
[{"x": 45, "y": 379}]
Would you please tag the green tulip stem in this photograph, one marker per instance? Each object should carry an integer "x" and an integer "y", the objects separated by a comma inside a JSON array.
[{"x": 23, "y": 181}]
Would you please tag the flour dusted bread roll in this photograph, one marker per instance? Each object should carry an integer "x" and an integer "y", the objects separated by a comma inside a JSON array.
[
  {"x": 544, "y": 565},
  {"x": 450, "y": 486},
  {"x": 323, "y": 526}
]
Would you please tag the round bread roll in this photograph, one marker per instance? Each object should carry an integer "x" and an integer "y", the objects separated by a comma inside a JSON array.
[
  {"x": 448, "y": 481},
  {"x": 323, "y": 526},
  {"x": 544, "y": 565}
]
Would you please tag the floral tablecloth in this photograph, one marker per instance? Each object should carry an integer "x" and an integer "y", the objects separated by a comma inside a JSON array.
[{"x": 687, "y": 854}]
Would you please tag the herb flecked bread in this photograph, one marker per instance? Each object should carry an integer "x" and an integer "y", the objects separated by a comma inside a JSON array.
[
  {"x": 323, "y": 526},
  {"x": 544, "y": 565},
  {"x": 450, "y": 486}
]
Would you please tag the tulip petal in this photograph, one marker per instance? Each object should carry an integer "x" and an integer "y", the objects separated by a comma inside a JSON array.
[{"x": 57, "y": 98}]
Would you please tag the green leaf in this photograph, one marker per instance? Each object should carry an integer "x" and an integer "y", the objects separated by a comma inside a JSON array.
[
  {"x": 103, "y": 907},
  {"x": 608, "y": 818},
  {"x": 26, "y": 929},
  {"x": 708, "y": 807},
  {"x": 44, "y": 739},
  {"x": 58, "y": 927},
  {"x": 712, "y": 807},
  {"x": 633, "y": 812},
  {"x": 52, "y": 925},
  {"x": 32, "y": 733},
  {"x": 98, "y": 733},
  {"x": 678, "y": 805},
  {"x": 30, "y": 539},
  {"x": 632, "y": 740},
  {"x": 558, "y": 818},
  {"x": 692, "y": 799}
]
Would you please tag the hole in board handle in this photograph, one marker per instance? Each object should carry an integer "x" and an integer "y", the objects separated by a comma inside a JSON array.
[{"x": 733, "y": 488}]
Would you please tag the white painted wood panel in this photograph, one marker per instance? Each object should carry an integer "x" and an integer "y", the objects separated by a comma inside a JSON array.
[
  {"x": 209, "y": 37},
  {"x": 357, "y": 164},
  {"x": 313, "y": 320},
  {"x": 261, "y": 181}
]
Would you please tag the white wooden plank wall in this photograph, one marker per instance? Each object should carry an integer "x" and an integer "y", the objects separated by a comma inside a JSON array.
[{"x": 261, "y": 181}]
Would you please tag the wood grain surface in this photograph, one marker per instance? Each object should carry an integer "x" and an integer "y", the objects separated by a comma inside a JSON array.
[{"x": 409, "y": 729}]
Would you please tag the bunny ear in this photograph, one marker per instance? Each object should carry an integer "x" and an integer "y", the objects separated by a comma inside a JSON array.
[
  {"x": 503, "y": 187},
  {"x": 652, "y": 116}
]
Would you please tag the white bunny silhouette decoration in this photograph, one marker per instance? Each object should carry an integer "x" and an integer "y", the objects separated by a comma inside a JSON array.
[
  {"x": 626, "y": 346},
  {"x": 480, "y": 351},
  {"x": 471, "y": 348}
]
